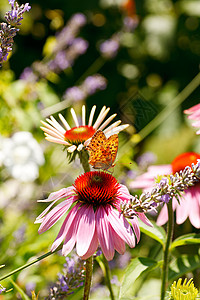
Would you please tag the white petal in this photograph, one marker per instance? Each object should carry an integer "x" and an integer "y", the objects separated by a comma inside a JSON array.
[
  {"x": 101, "y": 117},
  {"x": 110, "y": 131},
  {"x": 74, "y": 117},
  {"x": 80, "y": 147},
  {"x": 56, "y": 125},
  {"x": 107, "y": 122},
  {"x": 64, "y": 122},
  {"x": 71, "y": 148},
  {"x": 91, "y": 115},
  {"x": 83, "y": 115}
]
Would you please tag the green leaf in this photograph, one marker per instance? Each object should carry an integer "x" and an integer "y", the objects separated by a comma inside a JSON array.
[
  {"x": 21, "y": 292},
  {"x": 156, "y": 232},
  {"x": 182, "y": 265},
  {"x": 133, "y": 271},
  {"x": 191, "y": 238}
]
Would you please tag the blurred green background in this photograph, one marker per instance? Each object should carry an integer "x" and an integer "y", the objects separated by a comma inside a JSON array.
[{"x": 158, "y": 56}]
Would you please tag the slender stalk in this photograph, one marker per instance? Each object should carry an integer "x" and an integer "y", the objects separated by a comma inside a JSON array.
[
  {"x": 107, "y": 277},
  {"x": 163, "y": 115},
  {"x": 83, "y": 155},
  {"x": 88, "y": 277},
  {"x": 170, "y": 226},
  {"x": 28, "y": 265}
]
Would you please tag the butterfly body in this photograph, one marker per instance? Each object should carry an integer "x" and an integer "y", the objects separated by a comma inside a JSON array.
[{"x": 102, "y": 150}]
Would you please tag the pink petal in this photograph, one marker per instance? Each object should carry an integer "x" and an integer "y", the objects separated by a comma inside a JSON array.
[
  {"x": 54, "y": 215},
  {"x": 104, "y": 233},
  {"x": 163, "y": 216},
  {"x": 136, "y": 228},
  {"x": 124, "y": 194},
  {"x": 121, "y": 227},
  {"x": 93, "y": 246},
  {"x": 194, "y": 211},
  {"x": 119, "y": 244},
  {"x": 70, "y": 239},
  {"x": 85, "y": 230},
  {"x": 192, "y": 109},
  {"x": 144, "y": 219},
  {"x": 65, "y": 227},
  {"x": 182, "y": 210}
]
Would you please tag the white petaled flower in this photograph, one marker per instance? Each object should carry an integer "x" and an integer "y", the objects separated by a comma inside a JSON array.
[
  {"x": 77, "y": 137},
  {"x": 22, "y": 156}
]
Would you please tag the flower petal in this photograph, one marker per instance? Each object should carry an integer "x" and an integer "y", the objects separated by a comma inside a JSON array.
[
  {"x": 136, "y": 228},
  {"x": 93, "y": 246},
  {"x": 86, "y": 228},
  {"x": 104, "y": 233},
  {"x": 68, "y": 222},
  {"x": 121, "y": 227},
  {"x": 119, "y": 244},
  {"x": 144, "y": 219},
  {"x": 91, "y": 115},
  {"x": 54, "y": 215}
]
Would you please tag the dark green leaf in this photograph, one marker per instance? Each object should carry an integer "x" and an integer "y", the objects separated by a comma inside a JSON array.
[{"x": 183, "y": 265}]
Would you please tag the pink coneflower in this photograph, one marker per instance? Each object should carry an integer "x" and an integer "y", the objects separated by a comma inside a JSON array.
[
  {"x": 190, "y": 201},
  {"x": 77, "y": 137},
  {"x": 194, "y": 114},
  {"x": 94, "y": 218}
]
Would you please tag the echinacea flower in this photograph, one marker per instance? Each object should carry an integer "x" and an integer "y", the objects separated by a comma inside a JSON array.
[
  {"x": 189, "y": 205},
  {"x": 94, "y": 217},
  {"x": 194, "y": 114},
  {"x": 77, "y": 137}
]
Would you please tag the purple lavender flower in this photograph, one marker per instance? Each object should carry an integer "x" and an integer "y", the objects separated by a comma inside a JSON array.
[
  {"x": 94, "y": 83},
  {"x": 90, "y": 86},
  {"x": 165, "y": 198},
  {"x": 75, "y": 94},
  {"x": 8, "y": 31},
  {"x": 109, "y": 48},
  {"x": 79, "y": 45},
  {"x": 146, "y": 159},
  {"x": 72, "y": 278},
  {"x": 28, "y": 75}
]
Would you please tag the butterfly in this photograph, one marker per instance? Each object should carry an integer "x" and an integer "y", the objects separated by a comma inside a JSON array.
[{"x": 102, "y": 150}]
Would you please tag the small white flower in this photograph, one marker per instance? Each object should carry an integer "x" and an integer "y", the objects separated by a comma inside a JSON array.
[
  {"x": 77, "y": 137},
  {"x": 22, "y": 155}
]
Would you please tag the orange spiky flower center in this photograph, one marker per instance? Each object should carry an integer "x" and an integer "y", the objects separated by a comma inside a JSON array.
[
  {"x": 183, "y": 160},
  {"x": 97, "y": 188},
  {"x": 77, "y": 135}
]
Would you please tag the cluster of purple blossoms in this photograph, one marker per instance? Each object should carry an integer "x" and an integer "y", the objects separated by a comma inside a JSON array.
[
  {"x": 68, "y": 47},
  {"x": 72, "y": 278},
  {"x": 89, "y": 87},
  {"x": 2, "y": 289},
  {"x": 110, "y": 47},
  {"x": 8, "y": 30},
  {"x": 167, "y": 188}
]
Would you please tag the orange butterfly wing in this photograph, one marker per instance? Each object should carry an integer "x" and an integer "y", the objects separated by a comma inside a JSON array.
[{"x": 102, "y": 151}]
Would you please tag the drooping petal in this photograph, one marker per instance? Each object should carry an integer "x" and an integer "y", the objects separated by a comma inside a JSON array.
[
  {"x": 194, "y": 208},
  {"x": 70, "y": 238},
  {"x": 136, "y": 228},
  {"x": 104, "y": 233},
  {"x": 121, "y": 227},
  {"x": 119, "y": 244},
  {"x": 182, "y": 209},
  {"x": 93, "y": 246},
  {"x": 65, "y": 227},
  {"x": 54, "y": 215},
  {"x": 123, "y": 193},
  {"x": 86, "y": 228},
  {"x": 144, "y": 219}
]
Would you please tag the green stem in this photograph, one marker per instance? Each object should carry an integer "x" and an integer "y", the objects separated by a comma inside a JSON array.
[
  {"x": 88, "y": 277},
  {"x": 107, "y": 277},
  {"x": 83, "y": 155},
  {"x": 28, "y": 265},
  {"x": 163, "y": 115},
  {"x": 170, "y": 226}
]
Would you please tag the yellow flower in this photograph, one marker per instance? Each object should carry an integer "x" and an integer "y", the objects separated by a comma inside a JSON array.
[{"x": 185, "y": 291}]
